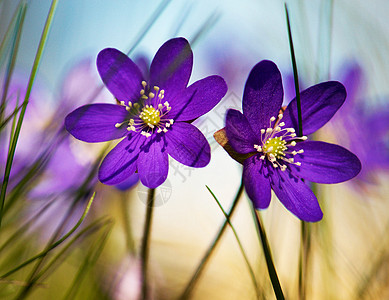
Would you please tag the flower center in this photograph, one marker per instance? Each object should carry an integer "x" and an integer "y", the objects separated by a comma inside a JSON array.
[
  {"x": 149, "y": 114},
  {"x": 275, "y": 142},
  {"x": 275, "y": 146}
]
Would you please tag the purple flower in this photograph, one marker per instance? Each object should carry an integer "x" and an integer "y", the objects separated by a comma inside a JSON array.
[
  {"x": 359, "y": 122},
  {"x": 153, "y": 117},
  {"x": 277, "y": 158}
]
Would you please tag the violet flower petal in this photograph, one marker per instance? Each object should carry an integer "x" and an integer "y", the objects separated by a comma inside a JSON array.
[
  {"x": 198, "y": 99},
  {"x": 172, "y": 66},
  {"x": 296, "y": 196},
  {"x": 120, "y": 163},
  {"x": 187, "y": 145},
  {"x": 318, "y": 105},
  {"x": 263, "y": 94},
  {"x": 119, "y": 74},
  {"x": 325, "y": 163},
  {"x": 153, "y": 163},
  {"x": 257, "y": 181},
  {"x": 96, "y": 122},
  {"x": 128, "y": 183},
  {"x": 353, "y": 80},
  {"x": 239, "y": 133}
]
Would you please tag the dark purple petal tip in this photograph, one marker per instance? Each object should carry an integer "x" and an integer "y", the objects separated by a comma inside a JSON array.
[
  {"x": 319, "y": 103},
  {"x": 263, "y": 94},
  {"x": 120, "y": 74},
  {"x": 198, "y": 99},
  {"x": 172, "y": 66}
]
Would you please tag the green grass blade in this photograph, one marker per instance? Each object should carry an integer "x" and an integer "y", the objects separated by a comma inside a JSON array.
[
  {"x": 7, "y": 36},
  {"x": 295, "y": 74},
  {"x": 90, "y": 260},
  {"x": 60, "y": 257},
  {"x": 34, "y": 71},
  {"x": 14, "y": 51},
  {"x": 147, "y": 26},
  {"x": 268, "y": 256},
  {"x": 207, "y": 255},
  {"x": 54, "y": 245},
  {"x": 207, "y": 25},
  {"x": 252, "y": 275}
]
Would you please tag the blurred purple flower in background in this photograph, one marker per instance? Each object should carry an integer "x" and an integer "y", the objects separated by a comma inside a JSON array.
[
  {"x": 278, "y": 159},
  {"x": 363, "y": 129},
  {"x": 151, "y": 116}
]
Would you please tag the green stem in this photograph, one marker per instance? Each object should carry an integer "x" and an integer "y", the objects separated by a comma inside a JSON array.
[
  {"x": 14, "y": 53},
  {"x": 146, "y": 242},
  {"x": 96, "y": 225},
  {"x": 200, "y": 268},
  {"x": 34, "y": 71},
  {"x": 252, "y": 275},
  {"x": 268, "y": 257},
  {"x": 304, "y": 259},
  {"x": 54, "y": 245}
]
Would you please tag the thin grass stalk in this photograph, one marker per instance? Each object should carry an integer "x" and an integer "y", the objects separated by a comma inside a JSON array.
[
  {"x": 14, "y": 52},
  {"x": 86, "y": 231},
  {"x": 89, "y": 261},
  {"x": 34, "y": 71},
  {"x": 211, "y": 249},
  {"x": 55, "y": 244},
  {"x": 252, "y": 275},
  {"x": 295, "y": 74},
  {"x": 268, "y": 256}
]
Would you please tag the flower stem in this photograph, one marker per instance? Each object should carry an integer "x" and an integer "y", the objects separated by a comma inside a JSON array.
[
  {"x": 268, "y": 257},
  {"x": 200, "y": 268},
  {"x": 304, "y": 259},
  {"x": 295, "y": 75},
  {"x": 145, "y": 242}
]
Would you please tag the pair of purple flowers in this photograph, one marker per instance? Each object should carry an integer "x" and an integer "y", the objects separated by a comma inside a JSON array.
[{"x": 155, "y": 117}]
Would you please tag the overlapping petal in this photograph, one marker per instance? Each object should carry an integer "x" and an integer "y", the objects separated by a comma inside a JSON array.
[
  {"x": 119, "y": 74},
  {"x": 263, "y": 94},
  {"x": 319, "y": 103},
  {"x": 187, "y": 145},
  {"x": 121, "y": 161},
  {"x": 256, "y": 180},
  {"x": 198, "y": 99},
  {"x": 172, "y": 66},
  {"x": 240, "y": 135},
  {"x": 96, "y": 122},
  {"x": 295, "y": 195},
  {"x": 153, "y": 163},
  {"x": 326, "y": 163}
]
